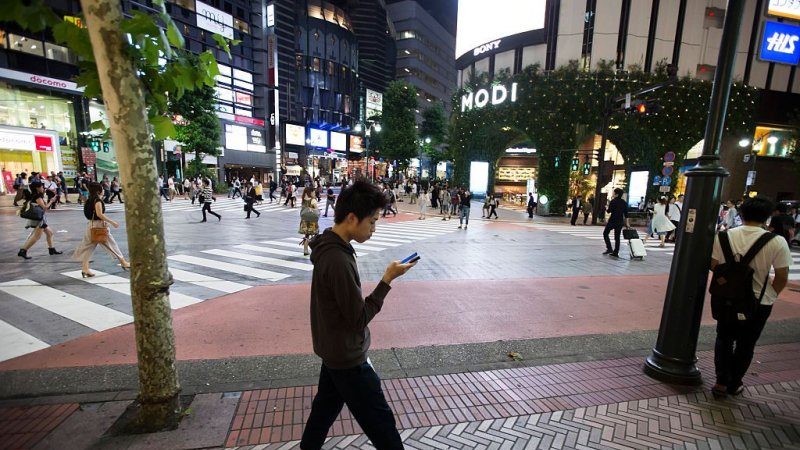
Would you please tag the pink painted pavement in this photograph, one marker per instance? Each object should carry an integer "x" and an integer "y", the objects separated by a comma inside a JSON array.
[{"x": 273, "y": 320}]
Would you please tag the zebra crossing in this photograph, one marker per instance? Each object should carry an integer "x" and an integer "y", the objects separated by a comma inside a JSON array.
[
  {"x": 794, "y": 269},
  {"x": 223, "y": 204},
  {"x": 596, "y": 233},
  {"x": 36, "y": 313}
]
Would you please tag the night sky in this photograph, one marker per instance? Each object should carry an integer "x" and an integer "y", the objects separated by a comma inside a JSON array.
[{"x": 444, "y": 11}]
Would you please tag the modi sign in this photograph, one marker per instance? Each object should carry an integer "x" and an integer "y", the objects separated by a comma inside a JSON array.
[{"x": 496, "y": 95}]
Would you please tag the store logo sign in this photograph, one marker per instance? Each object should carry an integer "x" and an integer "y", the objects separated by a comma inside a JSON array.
[
  {"x": 784, "y": 8},
  {"x": 40, "y": 80},
  {"x": 494, "y": 45},
  {"x": 213, "y": 20},
  {"x": 25, "y": 141},
  {"x": 498, "y": 95},
  {"x": 780, "y": 43}
]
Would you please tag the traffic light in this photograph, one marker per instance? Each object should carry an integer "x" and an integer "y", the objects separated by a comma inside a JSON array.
[
  {"x": 556, "y": 161},
  {"x": 574, "y": 166},
  {"x": 645, "y": 107},
  {"x": 587, "y": 168},
  {"x": 94, "y": 144}
]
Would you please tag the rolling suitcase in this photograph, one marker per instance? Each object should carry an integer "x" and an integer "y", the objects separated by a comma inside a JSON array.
[{"x": 637, "y": 248}]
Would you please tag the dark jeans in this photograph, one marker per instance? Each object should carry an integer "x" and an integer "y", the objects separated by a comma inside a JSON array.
[
  {"x": 492, "y": 210},
  {"x": 250, "y": 210},
  {"x": 207, "y": 207},
  {"x": 360, "y": 389},
  {"x": 585, "y": 217},
  {"x": 675, "y": 231},
  {"x": 617, "y": 230},
  {"x": 164, "y": 193},
  {"x": 733, "y": 350},
  {"x": 271, "y": 195},
  {"x": 113, "y": 196},
  {"x": 330, "y": 204},
  {"x": 574, "y": 217}
]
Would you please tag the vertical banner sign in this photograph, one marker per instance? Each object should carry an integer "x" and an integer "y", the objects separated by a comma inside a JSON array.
[{"x": 8, "y": 180}]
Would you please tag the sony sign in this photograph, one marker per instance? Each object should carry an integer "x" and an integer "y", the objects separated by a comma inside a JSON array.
[
  {"x": 494, "y": 45},
  {"x": 498, "y": 94}
]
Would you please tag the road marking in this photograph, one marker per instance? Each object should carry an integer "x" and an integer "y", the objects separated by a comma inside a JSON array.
[
  {"x": 386, "y": 239},
  {"x": 208, "y": 282},
  {"x": 275, "y": 251},
  {"x": 76, "y": 309},
  {"x": 355, "y": 245},
  {"x": 17, "y": 342},
  {"x": 228, "y": 267},
  {"x": 261, "y": 259},
  {"x": 123, "y": 286}
]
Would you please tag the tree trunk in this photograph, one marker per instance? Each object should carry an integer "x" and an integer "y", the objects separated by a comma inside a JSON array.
[{"x": 150, "y": 280}]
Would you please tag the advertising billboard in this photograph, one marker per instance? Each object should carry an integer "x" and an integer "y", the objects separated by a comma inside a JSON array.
[
  {"x": 295, "y": 134},
  {"x": 374, "y": 104},
  {"x": 356, "y": 143},
  {"x": 213, "y": 20},
  {"x": 482, "y": 25},
  {"x": 318, "y": 138},
  {"x": 784, "y": 8},
  {"x": 338, "y": 141}
]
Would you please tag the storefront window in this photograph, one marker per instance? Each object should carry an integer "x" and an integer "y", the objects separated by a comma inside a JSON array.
[
  {"x": 25, "y": 44},
  {"x": 106, "y": 156},
  {"x": 58, "y": 53}
]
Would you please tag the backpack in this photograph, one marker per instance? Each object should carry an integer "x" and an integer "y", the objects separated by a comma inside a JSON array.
[{"x": 732, "y": 282}]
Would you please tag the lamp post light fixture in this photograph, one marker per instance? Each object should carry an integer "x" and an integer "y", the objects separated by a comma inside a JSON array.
[
  {"x": 744, "y": 143},
  {"x": 427, "y": 140}
]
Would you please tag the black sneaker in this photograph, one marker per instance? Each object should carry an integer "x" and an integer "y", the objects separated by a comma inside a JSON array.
[
  {"x": 608, "y": 252},
  {"x": 615, "y": 255}
]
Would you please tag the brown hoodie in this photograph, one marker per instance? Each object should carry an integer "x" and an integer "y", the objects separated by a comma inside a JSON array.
[{"x": 339, "y": 312}]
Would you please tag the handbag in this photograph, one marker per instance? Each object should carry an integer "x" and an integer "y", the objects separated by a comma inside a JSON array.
[
  {"x": 32, "y": 212},
  {"x": 309, "y": 214},
  {"x": 630, "y": 233},
  {"x": 99, "y": 234}
]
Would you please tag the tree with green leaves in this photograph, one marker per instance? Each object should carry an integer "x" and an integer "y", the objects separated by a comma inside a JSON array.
[
  {"x": 398, "y": 129},
  {"x": 201, "y": 132},
  {"x": 433, "y": 129},
  {"x": 136, "y": 65}
]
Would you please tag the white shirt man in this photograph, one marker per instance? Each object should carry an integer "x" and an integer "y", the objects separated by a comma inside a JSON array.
[
  {"x": 742, "y": 334},
  {"x": 675, "y": 212}
]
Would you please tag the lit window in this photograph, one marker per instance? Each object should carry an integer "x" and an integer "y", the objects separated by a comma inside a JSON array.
[
  {"x": 316, "y": 65},
  {"x": 241, "y": 25},
  {"x": 24, "y": 44},
  {"x": 3, "y": 40},
  {"x": 58, "y": 53},
  {"x": 298, "y": 61},
  {"x": 330, "y": 68}
]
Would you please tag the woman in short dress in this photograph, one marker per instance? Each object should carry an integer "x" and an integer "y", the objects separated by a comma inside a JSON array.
[
  {"x": 94, "y": 210},
  {"x": 35, "y": 197},
  {"x": 661, "y": 223},
  {"x": 308, "y": 228}
]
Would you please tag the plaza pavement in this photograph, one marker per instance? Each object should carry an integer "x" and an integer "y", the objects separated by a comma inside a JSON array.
[{"x": 580, "y": 324}]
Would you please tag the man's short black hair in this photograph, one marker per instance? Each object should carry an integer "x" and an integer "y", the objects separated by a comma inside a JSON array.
[
  {"x": 618, "y": 192},
  {"x": 782, "y": 208},
  {"x": 757, "y": 209},
  {"x": 361, "y": 199}
]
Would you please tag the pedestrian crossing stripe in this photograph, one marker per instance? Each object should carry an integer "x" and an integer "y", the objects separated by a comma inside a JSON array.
[
  {"x": 274, "y": 251},
  {"x": 261, "y": 259},
  {"x": 206, "y": 281},
  {"x": 229, "y": 267},
  {"x": 17, "y": 342},
  {"x": 76, "y": 309},
  {"x": 123, "y": 286}
]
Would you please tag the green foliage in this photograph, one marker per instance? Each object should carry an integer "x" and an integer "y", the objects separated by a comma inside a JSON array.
[
  {"x": 165, "y": 68},
  {"x": 555, "y": 111},
  {"x": 399, "y": 134},
  {"x": 201, "y": 133},
  {"x": 434, "y": 124}
]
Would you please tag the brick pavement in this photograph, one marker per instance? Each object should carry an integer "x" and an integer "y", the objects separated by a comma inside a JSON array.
[
  {"x": 22, "y": 427},
  {"x": 593, "y": 404}
]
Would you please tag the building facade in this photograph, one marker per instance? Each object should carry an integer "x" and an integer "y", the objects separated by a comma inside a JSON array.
[
  {"x": 40, "y": 100},
  {"x": 642, "y": 35},
  {"x": 425, "y": 54}
]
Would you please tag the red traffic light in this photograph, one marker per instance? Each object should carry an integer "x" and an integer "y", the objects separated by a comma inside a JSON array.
[{"x": 641, "y": 108}]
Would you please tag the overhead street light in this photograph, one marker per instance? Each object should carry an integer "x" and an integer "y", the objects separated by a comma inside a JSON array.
[{"x": 744, "y": 143}]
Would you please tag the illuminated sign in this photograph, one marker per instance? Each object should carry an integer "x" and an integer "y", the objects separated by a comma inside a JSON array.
[
  {"x": 295, "y": 134},
  {"x": 213, "y": 20},
  {"x": 374, "y": 103},
  {"x": 317, "y": 137},
  {"x": 480, "y": 98},
  {"x": 482, "y": 24},
  {"x": 40, "y": 80},
  {"x": 338, "y": 141},
  {"x": 784, "y": 8},
  {"x": 356, "y": 143},
  {"x": 780, "y": 43}
]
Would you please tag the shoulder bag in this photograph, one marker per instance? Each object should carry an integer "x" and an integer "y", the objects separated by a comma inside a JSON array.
[
  {"x": 99, "y": 234},
  {"x": 32, "y": 211}
]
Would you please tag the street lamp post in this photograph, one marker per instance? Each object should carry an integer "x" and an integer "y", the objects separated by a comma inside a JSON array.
[{"x": 674, "y": 358}]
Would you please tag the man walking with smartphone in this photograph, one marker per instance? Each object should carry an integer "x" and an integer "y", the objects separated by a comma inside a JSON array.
[{"x": 339, "y": 318}]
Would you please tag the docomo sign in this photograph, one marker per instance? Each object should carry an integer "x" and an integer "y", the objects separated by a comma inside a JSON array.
[
  {"x": 481, "y": 97},
  {"x": 25, "y": 141},
  {"x": 40, "y": 80}
]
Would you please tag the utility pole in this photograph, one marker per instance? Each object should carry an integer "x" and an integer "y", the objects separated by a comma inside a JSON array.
[{"x": 674, "y": 357}]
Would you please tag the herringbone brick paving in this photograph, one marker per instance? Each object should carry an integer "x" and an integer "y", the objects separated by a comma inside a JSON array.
[{"x": 596, "y": 404}]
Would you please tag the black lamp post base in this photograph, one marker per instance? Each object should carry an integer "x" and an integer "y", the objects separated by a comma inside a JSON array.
[{"x": 671, "y": 370}]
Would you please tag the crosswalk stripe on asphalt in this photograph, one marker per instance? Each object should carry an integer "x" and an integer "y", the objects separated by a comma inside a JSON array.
[
  {"x": 76, "y": 309},
  {"x": 17, "y": 342},
  {"x": 261, "y": 259},
  {"x": 228, "y": 267},
  {"x": 207, "y": 281},
  {"x": 123, "y": 286}
]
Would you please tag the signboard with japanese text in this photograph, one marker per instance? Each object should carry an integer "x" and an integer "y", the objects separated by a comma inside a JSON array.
[{"x": 780, "y": 43}]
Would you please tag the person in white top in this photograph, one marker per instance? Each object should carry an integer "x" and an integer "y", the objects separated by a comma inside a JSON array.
[
  {"x": 424, "y": 199},
  {"x": 674, "y": 214},
  {"x": 661, "y": 223},
  {"x": 736, "y": 339}
]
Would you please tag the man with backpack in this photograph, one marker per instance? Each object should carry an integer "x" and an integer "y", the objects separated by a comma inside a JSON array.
[{"x": 741, "y": 292}]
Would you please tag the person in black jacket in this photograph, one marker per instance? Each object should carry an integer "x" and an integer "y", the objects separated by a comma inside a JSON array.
[
  {"x": 250, "y": 200},
  {"x": 618, "y": 211},
  {"x": 576, "y": 209},
  {"x": 339, "y": 318}
]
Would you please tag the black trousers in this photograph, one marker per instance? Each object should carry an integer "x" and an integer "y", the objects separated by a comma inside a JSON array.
[
  {"x": 617, "y": 230},
  {"x": 733, "y": 349},
  {"x": 271, "y": 195},
  {"x": 250, "y": 210},
  {"x": 492, "y": 210},
  {"x": 360, "y": 389},
  {"x": 207, "y": 207},
  {"x": 574, "y": 217},
  {"x": 163, "y": 192}
]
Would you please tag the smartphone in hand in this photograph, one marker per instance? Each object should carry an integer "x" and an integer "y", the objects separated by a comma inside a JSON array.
[{"x": 414, "y": 257}]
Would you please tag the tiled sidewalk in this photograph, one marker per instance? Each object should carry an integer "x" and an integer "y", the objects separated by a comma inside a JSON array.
[{"x": 589, "y": 404}]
